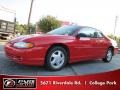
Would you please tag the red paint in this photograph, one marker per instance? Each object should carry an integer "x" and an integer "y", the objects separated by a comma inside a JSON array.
[{"x": 79, "y": 49}]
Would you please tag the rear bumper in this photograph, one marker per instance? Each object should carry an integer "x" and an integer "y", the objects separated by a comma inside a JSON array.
[
  {"x": 119, "y": 51},
  {"x": 116, "y": 50},
  {"x": 33, "y": 56}
]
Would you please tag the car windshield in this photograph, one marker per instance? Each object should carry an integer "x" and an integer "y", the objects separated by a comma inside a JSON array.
[{"x": 65, "y": 30}]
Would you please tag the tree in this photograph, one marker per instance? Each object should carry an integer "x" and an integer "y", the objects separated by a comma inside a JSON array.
[
  {"x": 23, "y": 28},
  {"x": 48, "y": 23},
  {"x": 32, "y": 28}
]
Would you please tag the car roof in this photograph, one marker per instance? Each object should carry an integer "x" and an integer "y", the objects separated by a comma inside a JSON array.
[
  {"x": 84, "y": 27},
  {"x": 90, "y": 27}
]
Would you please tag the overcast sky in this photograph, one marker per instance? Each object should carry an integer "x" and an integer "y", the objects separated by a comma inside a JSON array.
[{"x": 96, "y": 13}]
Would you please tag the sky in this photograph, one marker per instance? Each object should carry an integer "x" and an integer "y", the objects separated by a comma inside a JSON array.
[{"x": 99, "y": 14}]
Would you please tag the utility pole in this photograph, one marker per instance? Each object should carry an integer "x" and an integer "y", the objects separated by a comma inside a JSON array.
[
  {"x": 30, "y": 16},
  {"x": 116, "y": 18}
]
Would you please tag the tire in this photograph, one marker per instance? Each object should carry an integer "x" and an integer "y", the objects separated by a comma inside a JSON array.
[
  {"x": 108, "y": 56},
  {"x": 56, "y": 58}
]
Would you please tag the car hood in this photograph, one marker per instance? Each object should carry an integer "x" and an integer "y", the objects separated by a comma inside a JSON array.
[{"x": 36, "y": 36}]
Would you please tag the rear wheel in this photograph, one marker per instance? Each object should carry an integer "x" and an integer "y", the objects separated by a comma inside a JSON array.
[
  {"x": 56, "y": 58},
  {"x": 108, "y": 56}
]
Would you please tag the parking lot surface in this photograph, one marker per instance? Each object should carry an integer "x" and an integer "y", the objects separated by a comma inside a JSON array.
[{"x": 82, "y": 68}]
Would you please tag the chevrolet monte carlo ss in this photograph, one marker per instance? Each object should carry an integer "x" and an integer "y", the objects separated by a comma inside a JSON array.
[{"x": 63, "y": 45}]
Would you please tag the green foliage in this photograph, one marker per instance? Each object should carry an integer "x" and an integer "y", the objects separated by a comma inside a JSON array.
[
  {"x": 32, "y": 28},
  {"x": 114, "y": 37},
  {"x": 48, "y": 23},
  {"x": 23, "y": 28}
]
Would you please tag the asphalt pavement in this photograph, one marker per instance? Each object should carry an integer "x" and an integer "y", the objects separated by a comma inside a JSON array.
[{"x": 82, "y": 68}]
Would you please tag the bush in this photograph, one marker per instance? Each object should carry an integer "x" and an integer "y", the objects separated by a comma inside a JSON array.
[
  {"x": 114, "y": 38},
  {"x": 23, "y": 28}
]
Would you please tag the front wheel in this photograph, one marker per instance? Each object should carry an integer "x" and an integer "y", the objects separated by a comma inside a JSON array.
[
  {"x": 56, "y": 58},
  {"x": 108, "y": 56}
]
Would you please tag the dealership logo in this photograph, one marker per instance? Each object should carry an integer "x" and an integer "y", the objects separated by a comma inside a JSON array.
[
  {"x": 9, "y": 83},
  {"x": 19, "y": 83}
]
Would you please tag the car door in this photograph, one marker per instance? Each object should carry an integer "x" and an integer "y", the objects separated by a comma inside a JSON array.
[
  {"x": 95, "y": 42},
  {"x": 98, "y": 43},
  {"x": 85, "y": 44},
  {"x": 101, "y": 44}
]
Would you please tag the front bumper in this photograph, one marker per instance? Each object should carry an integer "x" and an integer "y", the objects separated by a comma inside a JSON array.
[{"x": 33, "y": 56}]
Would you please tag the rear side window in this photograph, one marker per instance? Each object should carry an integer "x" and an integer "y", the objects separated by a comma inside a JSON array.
[
  {"x": 87, "y": 32},
  {"x": 100, "y": 35}
]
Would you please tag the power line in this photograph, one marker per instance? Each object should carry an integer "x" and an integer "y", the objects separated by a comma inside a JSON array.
[{"x": 7, "y": 9}]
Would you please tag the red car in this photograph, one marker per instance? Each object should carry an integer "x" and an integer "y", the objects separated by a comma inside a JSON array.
[{"x": 63, "y": 45}]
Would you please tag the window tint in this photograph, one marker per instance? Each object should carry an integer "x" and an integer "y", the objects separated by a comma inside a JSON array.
[
  {"x": 65, "y": 30},
  {"x": 100, "y": 34},
  {"x": 88, "y": 32}
]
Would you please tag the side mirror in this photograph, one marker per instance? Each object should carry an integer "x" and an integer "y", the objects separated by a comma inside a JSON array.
[{"x": 78, "y": 36}]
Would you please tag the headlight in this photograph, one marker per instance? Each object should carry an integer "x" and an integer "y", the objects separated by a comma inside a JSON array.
[{"x": 23, "y": 45}]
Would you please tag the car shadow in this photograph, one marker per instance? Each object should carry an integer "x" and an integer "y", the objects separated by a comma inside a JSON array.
[
  {"x": 12, "y": 68},
  {"x": 9, "y": 67},
  {"x": 86, "y": 62}
]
